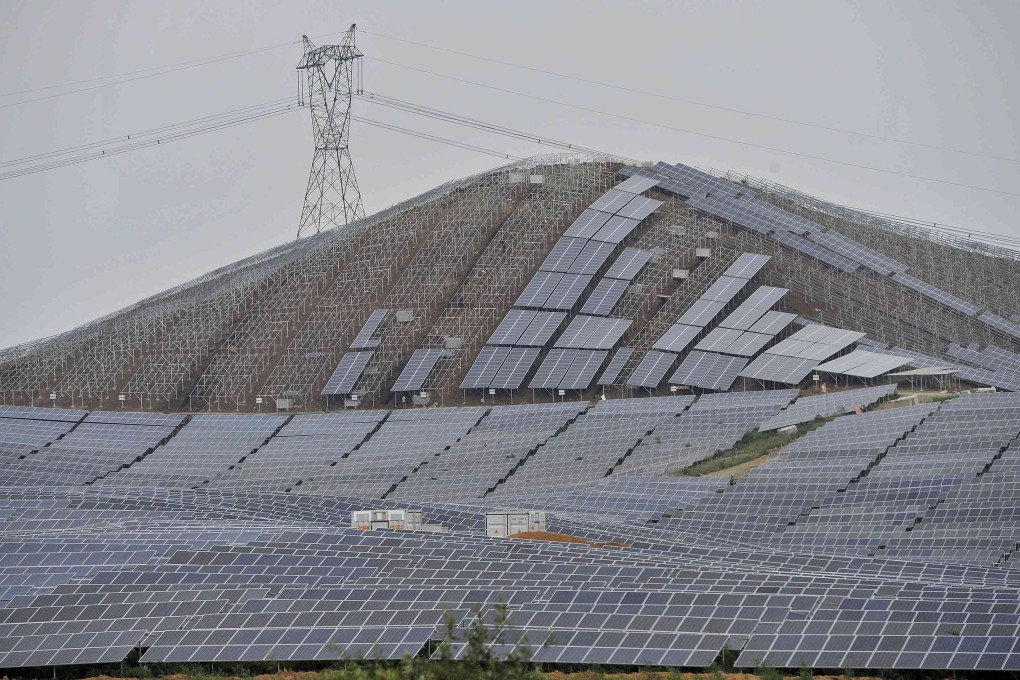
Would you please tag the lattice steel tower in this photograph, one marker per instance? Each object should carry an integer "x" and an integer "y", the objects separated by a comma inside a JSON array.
[{"x": 332, "y": 198}]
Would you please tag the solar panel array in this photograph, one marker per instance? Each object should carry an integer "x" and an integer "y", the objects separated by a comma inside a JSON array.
[
  {"x": 563, "y": 277},
  {"x": 863, "y": 364},
  {"x": 714, "y": 423},
  {"x": 407, "y": 439},
  {"x": 612, "y": 373},
  {"x": 794, "y": 358},
  {"x": 417, "y": 370},
  {"x": 806, "y": 409},
  {"x": 708, "y": 371},
  {"x": 347, "y": 373},
  {"x": 878, "y": 541},
  {"x": 739, "y": 205},
  {"x": 364, "y": 339},
  {"x": 594, "y": 444},
  {"x": 487, "y": 455}
]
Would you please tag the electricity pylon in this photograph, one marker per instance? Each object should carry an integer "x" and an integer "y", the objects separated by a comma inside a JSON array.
[{"x": 332, "y": 198}]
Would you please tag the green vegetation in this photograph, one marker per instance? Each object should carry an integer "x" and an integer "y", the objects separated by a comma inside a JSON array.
[{"x": 754, "y": 445}]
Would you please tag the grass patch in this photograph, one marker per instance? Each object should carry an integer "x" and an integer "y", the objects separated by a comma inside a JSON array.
[{"x": 752, "y": 446}]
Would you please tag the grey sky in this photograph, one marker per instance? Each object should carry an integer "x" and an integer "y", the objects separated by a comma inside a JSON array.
[{"x": 84, "y": 240}]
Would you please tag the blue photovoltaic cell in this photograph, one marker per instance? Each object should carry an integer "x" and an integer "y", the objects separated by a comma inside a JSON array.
[
  {"x": 364, "y": 339},
  {"x": 708, "y": 371},
  {"x": 582, "y": 370},
  {"x": 541, "y": 330},
  {"x": 591, "y": 258},
  {"x": 629, "y": 264},
  {"x": 605, "y": 296},
  {"x": 677, "y": 338},
  {"x": 563, "y": 254},
  {"x": 515, "y": 368},
  {"x": 539, "y": 289},
  {"x": 346, "y": 374},
  {"x": 417, "y": 370},
  {"x": 567, "y": 292},
  {"x": 485, "y": 367},
  {"x": 588, "y": 224},
  {"x": 513, "y": 325},
  {"x": 616, "y": 229},
  {"x": 612, "y": 373},
  {"x": 552, "y": 370},
  {"x": 652, "y": 369}
]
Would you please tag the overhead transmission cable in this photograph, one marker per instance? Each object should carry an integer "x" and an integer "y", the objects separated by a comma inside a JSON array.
[
  {"x": 437, "y": 114},
  {"x": 154, "y": 131},
  {"x": 419, "y": 109},
  {"x": 160, "y": 136},
  {"x": 434, "y": 138},
  {"x": 706, "y": 135},
  {"x": 716, "y": 107}
]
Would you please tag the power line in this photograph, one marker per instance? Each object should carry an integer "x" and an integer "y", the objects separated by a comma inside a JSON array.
[
  {"x": 442, "y": 140},
  {"x": 419, "y": 109},
  {"x": 716, "y": 107},
  {"x": 145, "y": 133},
  {"x": 437, "y": 114},
  {"x": 696, "y": 133},
  {"x": 134, "y": 145}
]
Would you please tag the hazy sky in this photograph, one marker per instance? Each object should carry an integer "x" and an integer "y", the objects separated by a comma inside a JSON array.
[{"x": 81, "y": 241}]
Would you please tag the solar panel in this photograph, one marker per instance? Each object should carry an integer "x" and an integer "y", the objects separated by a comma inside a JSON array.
[
  {"x": 563, "y": 254},
  {"x": 588, "y": 224},
  {"x": 748, "y": 344},
  {"x": 605, "y": 296},
  {"x": 364, "y": 339},
  {"x": 485, "y": 367},
  {"x": 701, "y": 313},
  {"x": 593, "y": 332},
  {"x": 591, "y": 258},
  {"x": 718, "y": 339},
  {"x": 753, "y": 308},
  {"x": 539, "y": 289},
  {"x": 619, "y": 360},
  {"x": 417, "y": 370},
  {"x": 607, "y": 333},
  {"x": 771, "y": 323},
  {"x": 511, "y": 327},
  {"x": 583, "y": 369},
  {"x": 690, "y": 181},
  {"x": 541, "y": 330},
  {"x": 515, "y": 368},
  {"x": 567, "y": 292},
  {"x": 652, "y": 369},
  {"x": 578, "y": 331},
  {"x": 708, "y": 371},
  {"x": 816, "y": 251},
  {"x": 629, "y": 264},
  {"x": 816, "y": 342},
  {"x": 863, "y": 364},
  {"x": 612, "y": 201},
  {"x": 936, "y": 295},
  {"x": 747, "y": 265},
  {"x": 677, "y": 338},
  {"x": 636, "y": 184},
  {"x": 724, "y": 289},
  {"x": 639, "y": 208},
  {"x": 777, "y": 368},
  {"x": 551, "y": 371},
  {"x": 346, "y": 374},
  {"x": 616, "y": 229}
]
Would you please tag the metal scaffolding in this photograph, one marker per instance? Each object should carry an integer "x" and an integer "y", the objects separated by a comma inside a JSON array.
[{"x": 453, "y": 260}]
